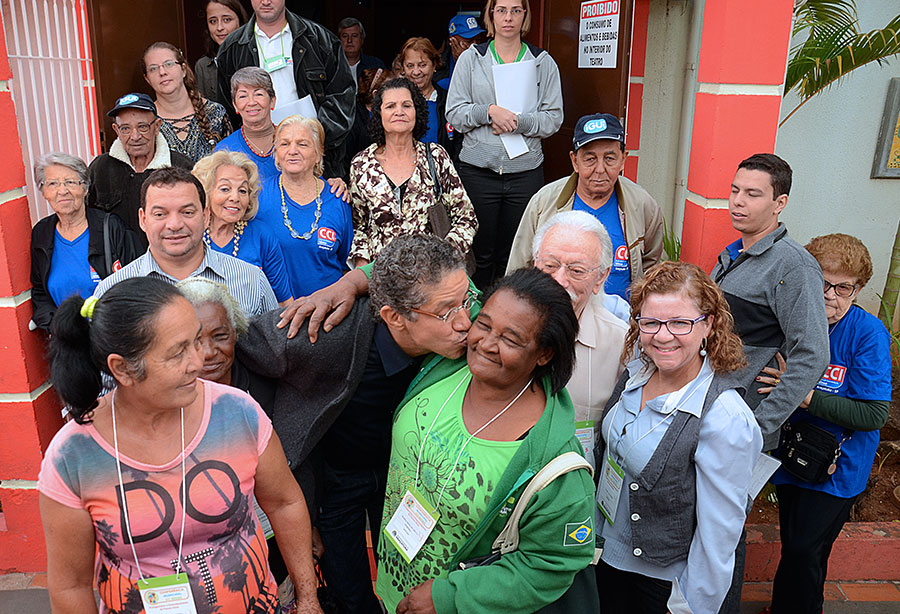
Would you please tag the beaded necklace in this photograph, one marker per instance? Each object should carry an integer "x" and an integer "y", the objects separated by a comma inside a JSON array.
[
  {"x": 238, "y": 231},
  {"x": 287, "y": 221},
  {"x": 253, "y": 149}
]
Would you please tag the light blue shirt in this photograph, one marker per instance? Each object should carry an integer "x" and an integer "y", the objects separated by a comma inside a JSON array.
[{"x": 729, "y": 443}]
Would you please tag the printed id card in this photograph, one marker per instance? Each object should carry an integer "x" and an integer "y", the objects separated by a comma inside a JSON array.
[
  {"x": 584, "y": 431},
  {"x": 611, "y": 479},
  {"x": 276, "y": 63},
  {"x": 412, "y": 523},
  {"x": 168, "y": 594}
]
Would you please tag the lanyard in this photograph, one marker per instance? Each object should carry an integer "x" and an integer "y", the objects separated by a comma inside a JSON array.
[
  {"x": 672, "y": 401},
  {"x": 471, "y": 437},
  {"x": 260, "y": 47},
  {"x": 500, "y": 60},
  {"x": 125, "y": 504}
]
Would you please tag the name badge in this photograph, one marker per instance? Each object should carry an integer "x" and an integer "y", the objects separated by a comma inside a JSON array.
[
  {"x": 611, "y": 479},
  {"x": 168, "y": 594},
  {"x": 276, "y": 63},
  {"x": 584, "y": 432},
  {"x": 412, "y": 523}
]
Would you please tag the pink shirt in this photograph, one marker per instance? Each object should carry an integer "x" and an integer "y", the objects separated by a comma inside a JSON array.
[{"x": 224, "y": 554}]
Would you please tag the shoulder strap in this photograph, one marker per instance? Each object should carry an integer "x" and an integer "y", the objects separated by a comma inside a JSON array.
[
  {"x": 508, "y": 540},
  {"x": 107, "y": 251},
  {"x": 438, "y": 188}
]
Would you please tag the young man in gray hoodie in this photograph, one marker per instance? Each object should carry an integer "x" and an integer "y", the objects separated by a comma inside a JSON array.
[{"x": 774, "y": 289}]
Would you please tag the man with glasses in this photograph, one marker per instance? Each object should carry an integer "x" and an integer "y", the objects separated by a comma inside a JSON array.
[
  {"x": 575, "y": 249},
  {"x": 774, "y": 289},
  {"x": 630, "y": 215},
  {"x": 115, "y": 177},
  {"x": 342, "y": 391}
]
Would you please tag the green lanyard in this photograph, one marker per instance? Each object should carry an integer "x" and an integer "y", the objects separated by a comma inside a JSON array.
[
  {"x": 500, "y": 60},
  {"x": 281, "y": 39}
]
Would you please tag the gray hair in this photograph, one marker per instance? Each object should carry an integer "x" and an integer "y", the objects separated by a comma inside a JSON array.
[
  {"x": 577, "y": 220},
  {"x": 61, "y": 159},
  {"x": 403, "y": 269},
  {"x": 349, "y": 22},
  {"x": 316, "y": 131},
  {"x": 252, "y": 76},
  {"x": 199, "y": 291}
]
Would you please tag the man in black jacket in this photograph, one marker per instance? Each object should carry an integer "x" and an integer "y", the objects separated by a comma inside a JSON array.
[{"x": 303, "y": 58}]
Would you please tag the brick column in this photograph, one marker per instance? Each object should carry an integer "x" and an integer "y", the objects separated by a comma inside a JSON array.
[
  {"x": 743, "y": 53},
  {"x": 636, "y": 87},
  {"x": 29, "y": 409}
]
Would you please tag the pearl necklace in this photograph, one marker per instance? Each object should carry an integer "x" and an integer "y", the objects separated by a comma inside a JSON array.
[
  {"x": 238, "y": 232},
  {"x": 287, "y": 221}
]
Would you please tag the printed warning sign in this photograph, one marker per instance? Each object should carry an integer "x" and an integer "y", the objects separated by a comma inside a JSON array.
[{"x": 598, "y": 34}]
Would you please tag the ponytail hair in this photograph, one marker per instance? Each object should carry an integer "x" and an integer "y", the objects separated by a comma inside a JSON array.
[{"x": 123, "y": 322}]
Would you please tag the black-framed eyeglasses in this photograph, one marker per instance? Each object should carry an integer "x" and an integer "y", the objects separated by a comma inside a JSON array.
[
  {"x": 676, "y": 326},
  {"x": 842, "y": 289},
  {"x": 466, "y": 304}
]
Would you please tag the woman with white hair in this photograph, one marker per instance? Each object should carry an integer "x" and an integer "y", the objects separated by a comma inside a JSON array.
[{"x": 75, "y": 247}]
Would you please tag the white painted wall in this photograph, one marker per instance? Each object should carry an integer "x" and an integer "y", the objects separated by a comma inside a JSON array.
[{"x": 830, "y": 144}]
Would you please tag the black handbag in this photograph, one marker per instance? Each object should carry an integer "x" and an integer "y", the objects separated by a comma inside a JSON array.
[{"x": 809, "y": 452}]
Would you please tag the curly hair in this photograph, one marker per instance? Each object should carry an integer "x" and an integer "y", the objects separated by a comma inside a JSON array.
[
  {"x": 190, "y": 84},
  {"x": 843, "y": 254},
  {"x": 199, "y": 291},
  {"x": 369, "y": 81},
  {"x": 724, "y": 347},
  {"x": 376, "y": 127},
  {"x": 207, "y": 167}
]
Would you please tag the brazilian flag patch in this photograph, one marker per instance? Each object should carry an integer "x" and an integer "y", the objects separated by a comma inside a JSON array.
[{"x": 577, "y": 533}]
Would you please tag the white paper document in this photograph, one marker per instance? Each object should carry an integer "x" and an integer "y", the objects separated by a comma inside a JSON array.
[
  {"x": 763, "y": 469},
  {"x": 515, "y": 88},
  {"x": 304, "y": 107}
]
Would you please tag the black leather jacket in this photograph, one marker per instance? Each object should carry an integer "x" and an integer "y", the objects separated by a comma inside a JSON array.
[
  {"x": 320, "y": 70},
  {"x": 122, "y": 245}
]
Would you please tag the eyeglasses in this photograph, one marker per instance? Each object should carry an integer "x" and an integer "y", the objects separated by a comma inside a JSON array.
[
  {"x": 516, "y": 11},
  {"x": 126, "y": 130},
  {"x": 842, "y": 289},
  {"x": 575, "y": 272},
  {"x": 466, "y": 304},
  {"x": 168, "y": 65},
  {"x": 54, "y": 185},
  {"x": 676, "y": 326}
]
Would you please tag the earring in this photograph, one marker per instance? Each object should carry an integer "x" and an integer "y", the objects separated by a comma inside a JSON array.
[{"x": 703, "y": 347}]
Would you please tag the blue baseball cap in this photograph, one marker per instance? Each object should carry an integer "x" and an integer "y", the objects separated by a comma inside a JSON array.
[
  {"x": 133, "y": 101},
  {"x": 465, "y": 26},
  {"x": 595, "y": 127}
]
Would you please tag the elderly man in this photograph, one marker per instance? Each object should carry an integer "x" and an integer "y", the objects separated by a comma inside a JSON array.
[
  {"x": 115, "y": 178},
  {"x": 463, "y": 32},
  {"x": 351, "y": 380},
  {"x": 632, "y": 218},
  {"x": 575, "y": 249},
  {"x": 173, "y": 215},
  {"x": 304, "y": 59},
  {"x": 353, "y": 35}
]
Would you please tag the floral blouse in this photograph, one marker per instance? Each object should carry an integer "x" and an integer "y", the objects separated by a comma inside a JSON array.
[
  {"x": 194, "y": 145},
  {"x": 379, "y": 216}
]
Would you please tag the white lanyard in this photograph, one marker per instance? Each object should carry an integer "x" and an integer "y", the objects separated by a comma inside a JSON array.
[
  {"x": 672, "y": 401},
  {"x": 471, "y": 437},
  {"x": 122, "y": 490}
]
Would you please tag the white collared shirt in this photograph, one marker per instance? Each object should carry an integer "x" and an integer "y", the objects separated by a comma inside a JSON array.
[{"x": 283, "y": 78}]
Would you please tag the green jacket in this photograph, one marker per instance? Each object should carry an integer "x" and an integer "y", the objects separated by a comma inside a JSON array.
[{"x": 543, "y": 567}]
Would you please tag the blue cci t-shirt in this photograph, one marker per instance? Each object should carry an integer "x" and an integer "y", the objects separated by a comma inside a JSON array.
[
  {"x": 70, "y": 272},
  {"x": 321, "y": 259},
  {"x": 265, "y": 164},
  {"x": 860, "y": 369},
  {"x": 258, "y": 246},
  {"x": 431, "y": 132},
  {"x": 620, "y": 273}
]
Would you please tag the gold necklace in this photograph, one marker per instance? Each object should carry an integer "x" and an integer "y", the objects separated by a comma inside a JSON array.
[{"x": 239, "y": 227}]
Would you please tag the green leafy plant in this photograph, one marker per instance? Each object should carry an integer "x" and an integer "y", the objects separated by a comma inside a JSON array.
[
  {"x": 671, "y": 244},
  {"x": 886, "y": 314}
]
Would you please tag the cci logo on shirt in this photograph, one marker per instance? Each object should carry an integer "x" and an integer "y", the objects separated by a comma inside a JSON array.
[
  {"x": 327, "y": 238},
  {"x": 833, "y": 378}
]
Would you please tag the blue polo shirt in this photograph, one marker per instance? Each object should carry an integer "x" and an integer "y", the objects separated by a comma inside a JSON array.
[
  {"x": 860, "y": 369},
  {"x": 620, "y": 274},
  {"x": 259, "y": 246},
  {"x": 70, "y": 272},
  {"x": 265, "y": 164}
]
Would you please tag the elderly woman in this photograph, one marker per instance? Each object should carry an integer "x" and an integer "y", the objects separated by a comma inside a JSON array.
[
  {"x": 849, "y": 405},
  {"x": 232, "y": 197},
  {"x": 500, "y": 185},
  {"x": 222, "y": 18},
  {"x": 467, "y": 438},
  {"x": 120, "y": 496},
  {"x": 396, "y": 181},
  {"x": 677, "y": 449},
  {"x": 418, "y": 60},
  {"x": 75, "y": 247},
  {"x": 312, "y": 225},
  {"x": 191, "y": 124}
]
